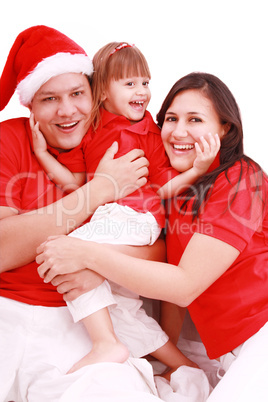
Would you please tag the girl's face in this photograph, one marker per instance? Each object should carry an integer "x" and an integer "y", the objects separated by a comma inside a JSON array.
[
  {"x": 128, "y": 97},
  {"x": 190, "y": 116}
]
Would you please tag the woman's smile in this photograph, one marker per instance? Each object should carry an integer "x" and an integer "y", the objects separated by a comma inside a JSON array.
[{"x": 190, "y": 117}]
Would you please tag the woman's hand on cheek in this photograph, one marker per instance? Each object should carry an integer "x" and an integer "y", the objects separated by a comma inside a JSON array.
[{"x": 59, "y": 255}]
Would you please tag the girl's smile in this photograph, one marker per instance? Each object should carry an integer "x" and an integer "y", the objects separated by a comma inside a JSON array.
[{"x": 128, "y": 97}]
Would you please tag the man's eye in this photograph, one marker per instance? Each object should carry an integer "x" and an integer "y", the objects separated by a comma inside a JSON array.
[{"x": 49, "y": 99}]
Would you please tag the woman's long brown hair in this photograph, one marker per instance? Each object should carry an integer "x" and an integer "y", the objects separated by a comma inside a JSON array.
[{"x": 232, "y": 149}]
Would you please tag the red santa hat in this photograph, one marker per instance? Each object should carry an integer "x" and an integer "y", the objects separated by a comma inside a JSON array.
[{"x": 38, "y": 54}]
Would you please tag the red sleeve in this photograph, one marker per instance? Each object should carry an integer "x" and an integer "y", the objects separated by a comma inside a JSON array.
[
  {"x": 13, "y": 147},
  {"x": 235, "y": 212},
  {"x": 160, "y": 170}
]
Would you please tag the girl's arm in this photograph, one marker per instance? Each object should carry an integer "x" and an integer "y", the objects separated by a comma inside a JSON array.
[
  {"x": 58, "y": 173},
  {"x": 201, "y": 164},
  {"x": 21, "y": 234},
  {"x": 204, "y": 260}
]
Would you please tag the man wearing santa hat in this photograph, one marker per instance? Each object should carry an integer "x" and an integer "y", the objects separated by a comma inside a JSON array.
[{"x": 38, "y": 340}]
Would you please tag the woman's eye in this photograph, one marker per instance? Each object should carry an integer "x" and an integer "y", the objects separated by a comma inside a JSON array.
[
  {"x": 170, "y": 119},
  {"x": 77, "y": 93},
  {"x": 196, "y": 120}
]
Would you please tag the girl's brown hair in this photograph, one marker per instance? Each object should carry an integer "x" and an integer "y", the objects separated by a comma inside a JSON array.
[{"x": 115, "y": 60}]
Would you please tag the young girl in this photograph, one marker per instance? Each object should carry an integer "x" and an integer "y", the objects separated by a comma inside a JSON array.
[{"x": 121, "y": 95}]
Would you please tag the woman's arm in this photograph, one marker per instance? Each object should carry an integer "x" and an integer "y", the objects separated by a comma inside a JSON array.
[
  {"x": 75, "y": 284},
  {"x": 20, "y": 235},
  {"x": 205, "y": 259}
]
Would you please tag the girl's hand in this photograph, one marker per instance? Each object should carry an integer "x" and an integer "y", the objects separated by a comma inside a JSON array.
[
  {"x": 39, "y": 141},
  {"x": 210, "y": 149}
]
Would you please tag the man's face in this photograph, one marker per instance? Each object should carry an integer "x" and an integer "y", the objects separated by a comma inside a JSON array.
[{"x": 62, "y": 106}]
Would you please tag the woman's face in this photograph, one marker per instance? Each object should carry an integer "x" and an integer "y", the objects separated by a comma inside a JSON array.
[{"x": 190, "y": 116}]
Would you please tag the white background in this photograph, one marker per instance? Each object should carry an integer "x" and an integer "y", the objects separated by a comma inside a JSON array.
[{"x": 223, "y": 37}]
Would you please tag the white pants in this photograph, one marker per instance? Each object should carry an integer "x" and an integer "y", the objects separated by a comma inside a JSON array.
[
  {"x": 116, "y": 224},
  {"x": 38, "y": 345},
  {"x": 246, "y": 377}
]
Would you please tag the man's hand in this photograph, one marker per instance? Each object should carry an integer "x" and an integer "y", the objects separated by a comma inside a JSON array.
[
  {"x": 76, "y": 284},
  {"x": 123, "y": 175}
]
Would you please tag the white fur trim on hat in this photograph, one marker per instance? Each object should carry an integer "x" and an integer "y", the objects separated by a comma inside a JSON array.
[{"x": 52, "y": 66}]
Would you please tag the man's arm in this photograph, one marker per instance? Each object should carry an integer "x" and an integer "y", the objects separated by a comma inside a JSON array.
[{"x": 20, "y": 235}]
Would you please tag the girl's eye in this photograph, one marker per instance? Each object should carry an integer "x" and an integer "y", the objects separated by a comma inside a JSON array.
[
  {"x": 130, "y": 84},
  {"x": 145, "y": 83}
]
